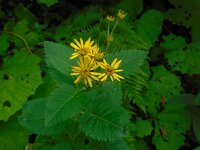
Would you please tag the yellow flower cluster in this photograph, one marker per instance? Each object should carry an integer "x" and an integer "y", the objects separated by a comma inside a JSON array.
[
  {"x": 90, "y": 59},
  {"x": 121, "y": 15}
]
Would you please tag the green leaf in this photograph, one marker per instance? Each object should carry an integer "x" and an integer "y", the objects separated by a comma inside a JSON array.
[
  {"x": 13, "y": 135},
  {"x": 171, "y": 124},
  {"x": 131, "y": 60},
  {"x": 103, "y": 92},
  {"x": 103, "y": 120},
  {"x": 22, "y": 13},
  {"x": 141, "y": 128},
  {"x": 148, "y": 27},
  {"x": 60, "y": 146},
  {"x": 57, "y": 56},
  {"x": 185, "y": 59},
  {"x": 186, "y": 13},
  {"x": 64, "y": 103},
  {"x": 197, "y": 148},
  {"x": 33, "y": 118},
  {"x": 132, "y": 7},
  {"x": 162, "y": 86},
  {"x": 20, "y": 75},
  {"x": 173, "y": 42},
  {"x": 48, "y": 2},
  {"x": 4, "y": 44}
]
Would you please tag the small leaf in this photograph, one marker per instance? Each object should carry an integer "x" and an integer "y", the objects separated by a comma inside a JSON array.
[
  {"x": 141, "y": 128},
  {"x": 48, "y": 2}
]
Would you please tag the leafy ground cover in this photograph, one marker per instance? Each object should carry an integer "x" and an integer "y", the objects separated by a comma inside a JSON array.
[{"x": 99, "y": 75}]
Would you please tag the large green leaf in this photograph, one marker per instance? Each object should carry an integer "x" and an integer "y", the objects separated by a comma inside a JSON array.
[
  {"x": 131, "y": 60},
  {"x": 64, "y": 103},
  {"x": 103, "y": 120},
  {"x": 33, "y": 118},
  {"x": 148, "y": 27},
  {"x": 19, "y": 77},
  {"x": 171, "y": 124},
  {"x": 186, "y": 13},
  {"x": 57, "y": 57},
  {"x": 162, "y": 87},
  {"x": 13, "y": 136}
]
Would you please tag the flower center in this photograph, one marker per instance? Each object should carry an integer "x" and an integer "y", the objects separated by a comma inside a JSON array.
[
  {"x": 110, "y": 70},
  {"x": 85, "y": 73},
  {"x": 83, "y": 51}
]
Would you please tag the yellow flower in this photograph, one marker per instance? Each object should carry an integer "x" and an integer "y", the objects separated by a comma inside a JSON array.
[
  {"x": 110, "y": 18},
  {"x": 110, "y": 70},
  {"x": 121, "y": 14},
  {"x": 81, "y": 48},
  {"x": 85, "y": 71},
  {"x": 96, "y": 54}
]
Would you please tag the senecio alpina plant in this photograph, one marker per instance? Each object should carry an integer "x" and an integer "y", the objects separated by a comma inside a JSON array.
[{"x": 90, "y": 58}]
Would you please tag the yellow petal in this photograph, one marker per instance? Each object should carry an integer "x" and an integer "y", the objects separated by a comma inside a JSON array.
[
  {"x": 118, "y": 76},
  {"x": 74, "y": 46},
  {"x": 102, "y": 65},
  {"x": 115, "y": 77},
  {"x": 76, "y": 68},
  {"x": 74, "y": 55},
  {"x": 85, "y": 81},
  {"x": 77, "y": 43},
  {"x": 95, "y": 73},
  {"x": 111, "y": 78},
  {"x": 104, "y": 78},
  {"x": 117, "y": 64},
  {"x": 93, "y": 77},
  {"x": 81, "y": 40},
  {"x": 101, "y": 75},
  {"x": 74, "y": 74},
  {"x": 89, "y": 81},
  {"x": 119, "y": 70},
  {"x": 78, "y": 79},
  {"x": 105, "y": 62},
  {"x": 114, "y": 61}
]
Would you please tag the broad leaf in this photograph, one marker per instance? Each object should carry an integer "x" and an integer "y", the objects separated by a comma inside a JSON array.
[
  {"x": 131, "y": 60},
  {"x": 4, "y": 44},
  {"x": 33, "y": 118},
  {"x": 103, "y": 120},
  {"x": 57, "y": 57},
  {"x": 19, "y": 77},
  {"x": 64, "y": 103},
  {"x": 13, "y": 135}
]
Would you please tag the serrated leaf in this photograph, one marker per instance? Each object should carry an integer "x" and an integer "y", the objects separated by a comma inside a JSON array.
[
  {"x": 57, "y": 56},
  {"x": 103, "y": 120},
  {"x": 185, "y": 59},
  {"x": 171, "y": 124},
  {"x": 162, "y": 86},
  {"x": 186, "y": 13},
  {"x": 141, "y": 128},
  {"x": 13, "y": 135},
  {"x": 131, "y": 60},
  {"x": 20, "y": 75},
  {"x": 33, "y": 118},
  {"x": 64, "y": 103},
  {"x": 103, "y": 92},
  {"x": 173, "y": 42},
  {"x": 48, "y": 2}
]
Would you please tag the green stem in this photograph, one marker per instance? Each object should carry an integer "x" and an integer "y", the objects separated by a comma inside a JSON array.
[
  {"x": 21, "y": 38},
  {"x": 114, "y": 27}
]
